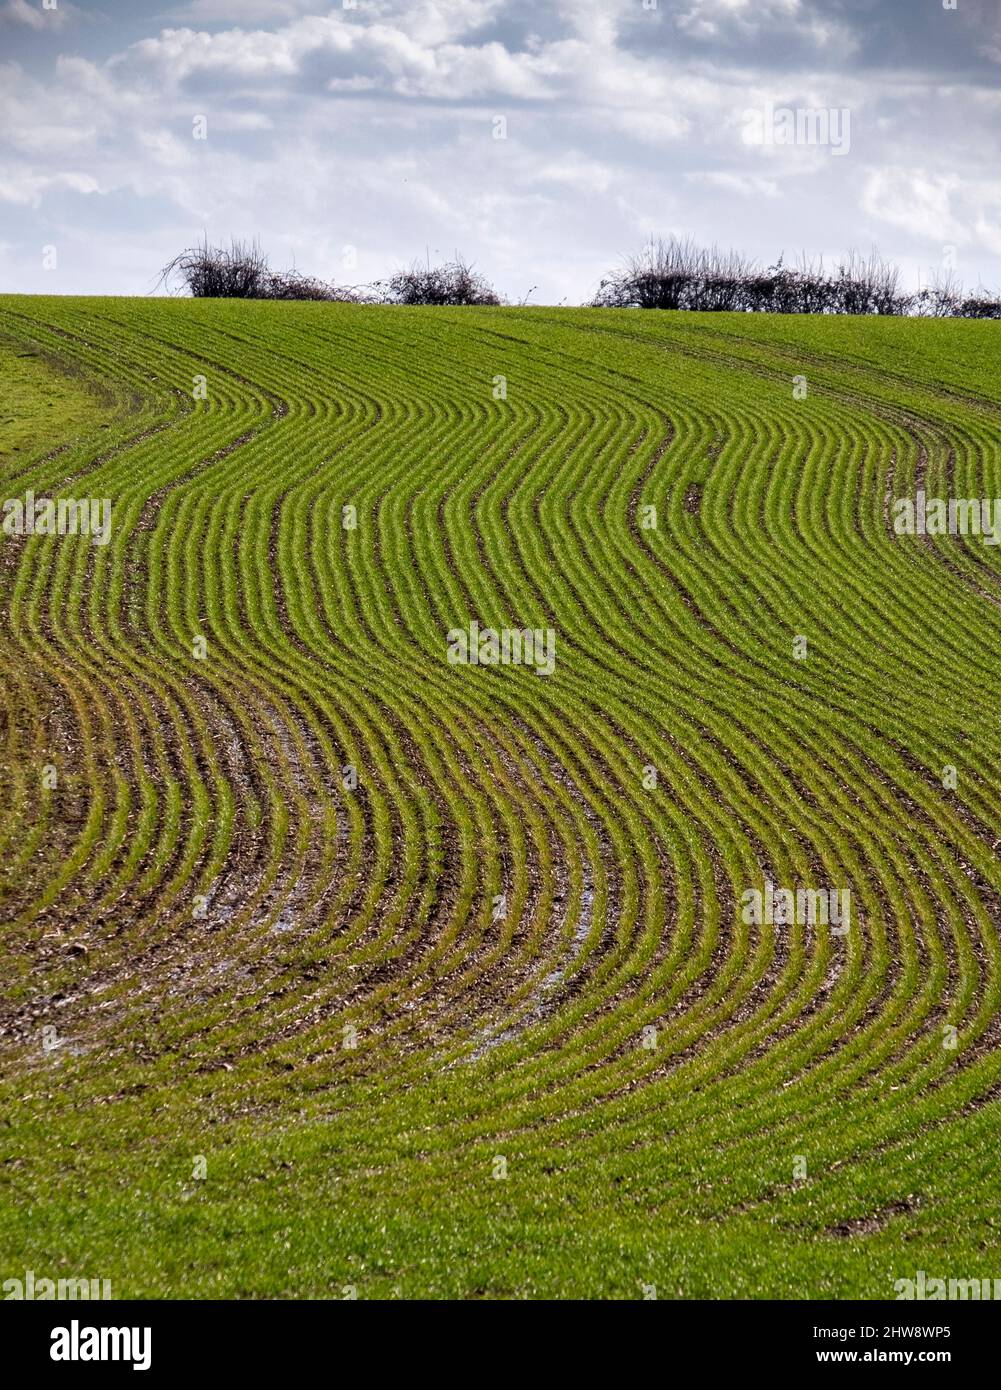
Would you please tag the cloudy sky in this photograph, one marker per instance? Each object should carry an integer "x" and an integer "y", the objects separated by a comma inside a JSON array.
[{"x": 354, "y": 137}]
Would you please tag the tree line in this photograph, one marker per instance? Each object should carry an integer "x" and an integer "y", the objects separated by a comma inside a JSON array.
[{"x": 667, "y": 274}]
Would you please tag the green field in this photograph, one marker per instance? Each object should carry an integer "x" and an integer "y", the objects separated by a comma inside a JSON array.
[{"x": 266, "y": 1028}]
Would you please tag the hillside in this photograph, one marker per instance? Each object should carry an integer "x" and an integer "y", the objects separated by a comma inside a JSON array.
[{"x": 334, "y": 962}]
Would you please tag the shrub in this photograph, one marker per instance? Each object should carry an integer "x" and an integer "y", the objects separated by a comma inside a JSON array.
[
  {"x": 242, "y": 272},
  {"x": 870, "y": 286},
  {"x": 942, "y": 299},
  {"x": 660, "y": 277},
  {"x": 677, "y": 274},
  {"x": 980, "y": 306},
  {"x": 453, "y": 284}
]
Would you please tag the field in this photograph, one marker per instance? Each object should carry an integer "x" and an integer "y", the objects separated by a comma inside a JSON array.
[{"x": 331, "y": 967}]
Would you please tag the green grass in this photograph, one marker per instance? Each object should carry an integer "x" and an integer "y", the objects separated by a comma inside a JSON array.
[
  {"x": 201, "y": 909},
  {"x": 46, "y": 404}
]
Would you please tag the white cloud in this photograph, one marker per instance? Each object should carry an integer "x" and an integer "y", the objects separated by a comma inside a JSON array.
[
  {"x": 918, "y": 202},
  {"x": 432, "y": 22},
  {"x": 708, "y": 19},
  {"x": 32, "y": 14},
  {"x": 650, "y": 127},
  {"x": 733, "y": 21},
  {"x": 388, "y": 57},
  {"x": 575, "y": 171},
  {"x": 19, "y": 184},
  {"x": 747, "y": 185},
  {"x": 22, "y": 12}
]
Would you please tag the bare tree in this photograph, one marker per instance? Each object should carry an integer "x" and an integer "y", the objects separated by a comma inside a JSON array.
[
  {"x": 241, "y": 271},
  {"x": 942, "y": 299},
  {"x": 660, "y": 277}
]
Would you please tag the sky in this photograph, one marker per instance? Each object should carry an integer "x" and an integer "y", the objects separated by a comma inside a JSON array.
[{"x": 543, "y": 140}]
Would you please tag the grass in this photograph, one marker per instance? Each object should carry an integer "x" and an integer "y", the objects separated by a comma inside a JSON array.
[
  {"x": 208, "y": 917},
  {"x": 45, "y": 403}
]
